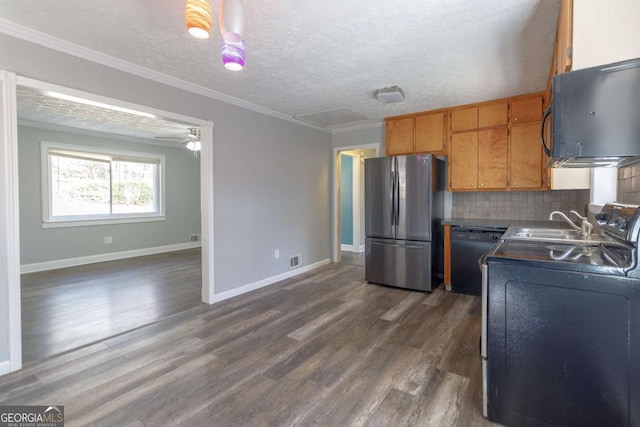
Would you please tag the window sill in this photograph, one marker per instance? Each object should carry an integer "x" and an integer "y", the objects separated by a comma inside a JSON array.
[{"x": 111, "y": 221}]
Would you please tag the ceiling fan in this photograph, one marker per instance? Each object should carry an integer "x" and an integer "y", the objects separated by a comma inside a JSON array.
[{"x": 190, "y": 139}]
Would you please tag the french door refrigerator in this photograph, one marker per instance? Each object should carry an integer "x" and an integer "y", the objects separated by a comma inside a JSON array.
[{"x": 403, "y": 212}]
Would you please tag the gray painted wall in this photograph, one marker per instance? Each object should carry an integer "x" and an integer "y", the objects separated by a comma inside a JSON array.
[
  {"x": 272, "y": 177},
  {"x": 372, "y": 135},
  {"x": 39, "y": 244}
]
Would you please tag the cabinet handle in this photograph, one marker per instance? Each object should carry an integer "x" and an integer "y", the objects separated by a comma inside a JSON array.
[
  {"x": 481, "y": 123},
  {"x": 473, "y": 124},
  {"x": 515, "y": 119},
  {"x": 515, "y": 184},
  {"x": 481, "y": 185},
  {"x": 473, "y": 185}
]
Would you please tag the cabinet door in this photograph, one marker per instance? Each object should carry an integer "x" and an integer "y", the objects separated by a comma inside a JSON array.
[
  {"x": 399, "y": 136},
  {"x": 429, "y": 133},
  {"x": 565, "y": 37},
  {"x": 493, "y": 159},
  {"x": 526, "y": 110},
  {"x": 464, "y": 119},
  {"x": 463, "y": 161},
  {"x": 526, "y": 156},
  {"x": 493, "y": 115}
]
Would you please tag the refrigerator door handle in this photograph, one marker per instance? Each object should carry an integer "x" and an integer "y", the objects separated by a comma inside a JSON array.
[
  {"x": 393, "y": 195},
  {"x": 397, "y": 201}
]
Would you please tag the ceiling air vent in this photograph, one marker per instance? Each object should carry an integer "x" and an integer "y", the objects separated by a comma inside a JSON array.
[{"x": 331, "y": 118}]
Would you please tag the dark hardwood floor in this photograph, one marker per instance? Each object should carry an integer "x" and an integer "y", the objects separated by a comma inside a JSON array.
[
  {"x": 70, "y": 307},
  {"x": 319, "y": 349}
]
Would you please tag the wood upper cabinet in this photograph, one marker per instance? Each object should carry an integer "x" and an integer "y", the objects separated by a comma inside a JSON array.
[
  {"x": 562, "y": 60},
  {"x": 526, "y": 157},
  {"x": 479, "y": 160},
  {"x": 493, "y": 159},
  {"x": 492, "y": 115},
  {"x": 564, "y": 39},
  {"x": 463, "y": 161},
  {"x": 420, "y": 133},
  {"x": 485, "y": 116},
  {"x": 429, "y": 133},
  {"x": 465, "y": 119},
  {"x": 526, "y": 110},
  {"x": 492, "y": 146},
  {"x": 399, "y": 136}
]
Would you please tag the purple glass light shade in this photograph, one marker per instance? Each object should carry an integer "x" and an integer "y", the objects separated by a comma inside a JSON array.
[{"x": 233, "y": 55}]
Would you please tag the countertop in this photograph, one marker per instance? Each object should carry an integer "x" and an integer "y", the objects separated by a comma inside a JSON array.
[{"x": 503, "y": 223}]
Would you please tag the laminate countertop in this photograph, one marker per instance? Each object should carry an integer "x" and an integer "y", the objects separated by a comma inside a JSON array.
[{"x": 503, "y": 223}]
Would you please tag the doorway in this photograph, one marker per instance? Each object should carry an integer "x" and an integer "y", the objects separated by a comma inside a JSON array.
[
  {"x": 9, "y": 200},
  {"x": 349, "y": 214}
]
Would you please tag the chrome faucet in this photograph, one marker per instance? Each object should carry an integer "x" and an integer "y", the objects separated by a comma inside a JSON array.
[{"x": 585, "y": 227}]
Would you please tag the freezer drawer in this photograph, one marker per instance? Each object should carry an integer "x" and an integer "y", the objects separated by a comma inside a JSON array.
[{"x": 400, "y": 263}]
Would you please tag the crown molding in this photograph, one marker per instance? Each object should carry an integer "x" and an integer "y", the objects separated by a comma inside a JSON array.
[
  {"x": 359, "y": 127},
  {"x": 28, "y": 34}
]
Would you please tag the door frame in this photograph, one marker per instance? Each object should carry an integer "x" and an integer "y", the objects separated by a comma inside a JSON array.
[
  {"x": 335, "y": 164},
  {"x": 355, "y": 202},
  {"x": 9, "y": 197}
]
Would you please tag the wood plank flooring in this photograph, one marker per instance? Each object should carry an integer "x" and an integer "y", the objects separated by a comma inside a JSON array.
[
  {"x": 70, "y": 307},
  {"x": 319, "y": 349}
]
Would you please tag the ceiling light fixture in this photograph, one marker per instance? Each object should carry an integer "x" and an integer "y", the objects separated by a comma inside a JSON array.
[
  {"x": 231, "y": 21},
  {"x": 233, "y": 54},
  {"x": 194, "y": 145},
  {"x": 197, "y": 14},
  {"x": 98, "y": 104},
  {"x": 388, "y": 95}
]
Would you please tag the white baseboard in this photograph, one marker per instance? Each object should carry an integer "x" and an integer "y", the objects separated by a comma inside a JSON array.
[
  {"x": 72, "y": 262},
  {"x": 268, "y": 281},
  {"x": 5, "y": 367},
  {"x": 348, "y": 248},
  {"x": 362, "y": 249}
]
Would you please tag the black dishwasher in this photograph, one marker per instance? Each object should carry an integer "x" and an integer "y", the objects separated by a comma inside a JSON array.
[{"x": 468, "y": 244}]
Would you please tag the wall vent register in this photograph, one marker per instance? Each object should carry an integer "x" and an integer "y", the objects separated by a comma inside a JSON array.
[{"x": 294, "y": 261}]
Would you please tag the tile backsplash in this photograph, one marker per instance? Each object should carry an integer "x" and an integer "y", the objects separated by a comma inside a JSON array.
[
  {"x": 529, "y": 205},
  {"x": 629, "y": 184}
]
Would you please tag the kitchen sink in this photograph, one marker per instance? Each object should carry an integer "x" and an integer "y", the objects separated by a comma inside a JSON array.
[{"x": 552, "y": 235}]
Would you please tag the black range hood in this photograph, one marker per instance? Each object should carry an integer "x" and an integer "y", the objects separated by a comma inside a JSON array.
[{"x": 595, "y": 116}]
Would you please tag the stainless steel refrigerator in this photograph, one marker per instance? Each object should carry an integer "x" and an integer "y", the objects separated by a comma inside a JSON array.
[{"x": 403, "y": 212}]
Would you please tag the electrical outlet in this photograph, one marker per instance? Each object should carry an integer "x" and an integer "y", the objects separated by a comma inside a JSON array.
[
  {"x": 276, "y": 254},
  {"x": 108, "y": 240}
]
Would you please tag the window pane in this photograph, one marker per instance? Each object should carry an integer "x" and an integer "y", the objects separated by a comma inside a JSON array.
[
  {"x": 79, "y": 186},
  {"x": 134, "y": 187}
]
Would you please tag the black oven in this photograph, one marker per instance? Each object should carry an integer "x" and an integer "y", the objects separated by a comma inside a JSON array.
[{"x": 561, "y": 328}]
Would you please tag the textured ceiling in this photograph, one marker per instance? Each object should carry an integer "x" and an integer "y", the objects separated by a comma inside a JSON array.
[
  {"x": 308, "y": 56},
  {"x": 35, "y": 106}
]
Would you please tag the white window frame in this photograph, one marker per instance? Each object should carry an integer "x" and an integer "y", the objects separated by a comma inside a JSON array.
[{"x": 86, "y": 220}]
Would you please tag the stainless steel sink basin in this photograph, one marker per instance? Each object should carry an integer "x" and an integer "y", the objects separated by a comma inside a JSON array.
[{"x": 553, "y": 235}]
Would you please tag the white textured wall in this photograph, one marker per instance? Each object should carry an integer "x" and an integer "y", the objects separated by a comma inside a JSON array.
[{"x": 605, "y": 32}]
